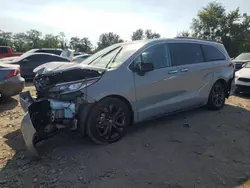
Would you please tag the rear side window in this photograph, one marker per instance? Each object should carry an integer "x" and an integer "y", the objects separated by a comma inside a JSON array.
[
  {"x": 3, "y": 50},
  {"x": 48, "y": 58},
  {"x": 56, "y": 52},
  {"x": 34, "y": 58},
  {"x": 185, "y": 53},
  {"x": 212, "y": 54}
]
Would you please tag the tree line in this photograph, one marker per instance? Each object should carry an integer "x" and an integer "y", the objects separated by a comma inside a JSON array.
[
  {"x": 25, "y": 41},
  {"x": 212, "y": 22}
]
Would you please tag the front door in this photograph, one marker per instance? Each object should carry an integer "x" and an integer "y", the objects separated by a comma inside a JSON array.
[{"x": 156, "y": 90}]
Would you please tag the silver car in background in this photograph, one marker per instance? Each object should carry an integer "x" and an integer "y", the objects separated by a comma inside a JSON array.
[{"x": 123, "y": 84}]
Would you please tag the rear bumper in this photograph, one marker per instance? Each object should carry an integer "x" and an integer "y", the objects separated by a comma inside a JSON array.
[{"x": 12, "y": 86}]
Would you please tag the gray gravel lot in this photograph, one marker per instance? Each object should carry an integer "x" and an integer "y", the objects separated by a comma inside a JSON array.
[{"x": 198, "y": 148}]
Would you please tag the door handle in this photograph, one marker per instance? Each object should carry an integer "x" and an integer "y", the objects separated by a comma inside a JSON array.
[
  {"x": 173, "y": 72},
  {"x": 184, "y": 70}
]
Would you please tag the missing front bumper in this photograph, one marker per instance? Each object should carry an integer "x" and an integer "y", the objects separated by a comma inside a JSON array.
[
  {"x": 43, "y": 118},
  {"x": 29, "y": 133},
  {"x": 27, "y": 128}
]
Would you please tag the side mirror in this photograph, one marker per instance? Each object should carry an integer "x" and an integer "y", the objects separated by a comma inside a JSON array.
[
  {"x": 25, "y": 60},
  {"x": 146, "y": 67}
]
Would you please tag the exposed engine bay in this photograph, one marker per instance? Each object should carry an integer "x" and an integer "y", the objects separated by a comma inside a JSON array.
[{"x": 60, "y": 94}]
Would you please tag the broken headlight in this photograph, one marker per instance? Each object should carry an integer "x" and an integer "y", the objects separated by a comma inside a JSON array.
[{"x": 70, "y": 87}]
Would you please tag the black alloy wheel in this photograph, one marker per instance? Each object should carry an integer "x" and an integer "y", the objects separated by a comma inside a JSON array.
[
  {"x": 108, "y": 121},
  {"x": 217, "y": 96}
]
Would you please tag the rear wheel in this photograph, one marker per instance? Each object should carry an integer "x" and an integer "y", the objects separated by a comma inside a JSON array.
[
  {"x": 217, "y": 96},
  {"x": 237, "y": 90},
  {"x": 4, "y": 99},
  {"x": 108, "y": 121}
]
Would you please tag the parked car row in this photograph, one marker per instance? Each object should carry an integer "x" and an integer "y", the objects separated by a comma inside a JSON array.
[{"x": 15, "y": 67}]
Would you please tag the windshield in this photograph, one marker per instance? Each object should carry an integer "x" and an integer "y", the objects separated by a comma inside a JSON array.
[
  {"x": 243, "y": 56},
  {"x": 114, "y": 55}
]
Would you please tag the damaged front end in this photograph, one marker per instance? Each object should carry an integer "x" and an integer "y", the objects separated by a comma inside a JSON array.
[{"x": 60, "y": 94}]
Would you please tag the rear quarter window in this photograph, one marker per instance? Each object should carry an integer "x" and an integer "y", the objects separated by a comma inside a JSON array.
[
  {"x": 185, "y": 53},
  {"x": 212, "y": 54}
]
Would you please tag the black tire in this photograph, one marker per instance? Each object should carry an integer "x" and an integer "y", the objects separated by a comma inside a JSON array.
[
  {"x": 108, "y": 121},
  {"x": 217, "y": 96},
  {"x": 4, "y": 99},
  {"x": 237, "y": 90}
]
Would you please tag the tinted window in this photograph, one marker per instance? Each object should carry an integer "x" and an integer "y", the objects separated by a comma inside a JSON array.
[
  {"x": 212, "y": 54},
  {"x": 3, "y": 50},
  {"x": 157, "y": 55},
  {"x": 34, "y": 57},
  {"x": 185, "y": 53},
  {"x": 56, "y": 52}
]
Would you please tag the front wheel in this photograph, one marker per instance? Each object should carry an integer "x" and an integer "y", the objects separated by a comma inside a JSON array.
[
  {"x": 217, "y": 96},
  {"x": 108, "y": 121}
]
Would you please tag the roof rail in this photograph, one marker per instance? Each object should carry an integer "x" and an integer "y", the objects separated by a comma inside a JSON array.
[{"x": 196, "y": 39}]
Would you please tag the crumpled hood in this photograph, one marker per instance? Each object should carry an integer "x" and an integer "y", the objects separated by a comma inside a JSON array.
[
  {"x": 244, "y": 73},
  {"x": 56, "y": 67}
]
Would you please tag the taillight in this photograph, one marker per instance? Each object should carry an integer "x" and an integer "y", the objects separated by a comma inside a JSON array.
[{"x": 14, "y": 73}]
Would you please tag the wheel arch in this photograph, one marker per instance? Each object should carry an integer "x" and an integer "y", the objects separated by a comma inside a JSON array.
[
  {"x": 125, "y": 101},
  {"x": 86, "y": 109}
]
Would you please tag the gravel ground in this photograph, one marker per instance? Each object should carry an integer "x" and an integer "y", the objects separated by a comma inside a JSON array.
[{"x": 198, "y": 148}]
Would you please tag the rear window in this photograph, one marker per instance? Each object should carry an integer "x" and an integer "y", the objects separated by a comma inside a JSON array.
[
  {"x": 212, "y": 54},
  {"x": 56, "y": 52},
  {"x": 185, "y": 53},
  {"x": 3, "y": 50}
]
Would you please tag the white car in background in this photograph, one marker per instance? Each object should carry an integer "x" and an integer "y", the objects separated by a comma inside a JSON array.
[
  {"x": 242, "y": 79},
  {"x": 80, "y": 58}
]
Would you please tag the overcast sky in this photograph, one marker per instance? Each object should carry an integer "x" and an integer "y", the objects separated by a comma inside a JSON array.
[{"x": 90, "y": 18}]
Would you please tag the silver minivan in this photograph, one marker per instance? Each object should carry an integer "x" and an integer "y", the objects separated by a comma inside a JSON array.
[{"x": 124, "y": 84}]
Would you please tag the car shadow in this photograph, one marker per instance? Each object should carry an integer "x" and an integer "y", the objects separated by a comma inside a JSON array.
[
  {"x": 7, "y": 104},
  {"x": 243, "y": 95},
  {"x": 29, "y": 83},
  {"x": 193, "y": 148}
]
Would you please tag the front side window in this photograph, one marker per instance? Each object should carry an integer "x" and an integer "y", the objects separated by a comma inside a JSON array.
[
  {"x": 185, "y": 53},
  {"x": 113, "y": 56},
  {"x": 157, "y": 55},
  {"x": 212, "y": 54}
]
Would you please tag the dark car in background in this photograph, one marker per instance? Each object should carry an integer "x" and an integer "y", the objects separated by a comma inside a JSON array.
[
  {"x": 28, "y": 62},
  {"x": 80, "y": 58},
  {"x": 56, "y": 51},
  {"x": 241, "y": 60},
  {"x": 11, "y": 82}
]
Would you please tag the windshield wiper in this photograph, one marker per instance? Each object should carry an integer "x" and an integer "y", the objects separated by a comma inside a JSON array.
[{"x": 113, "y": 60}]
